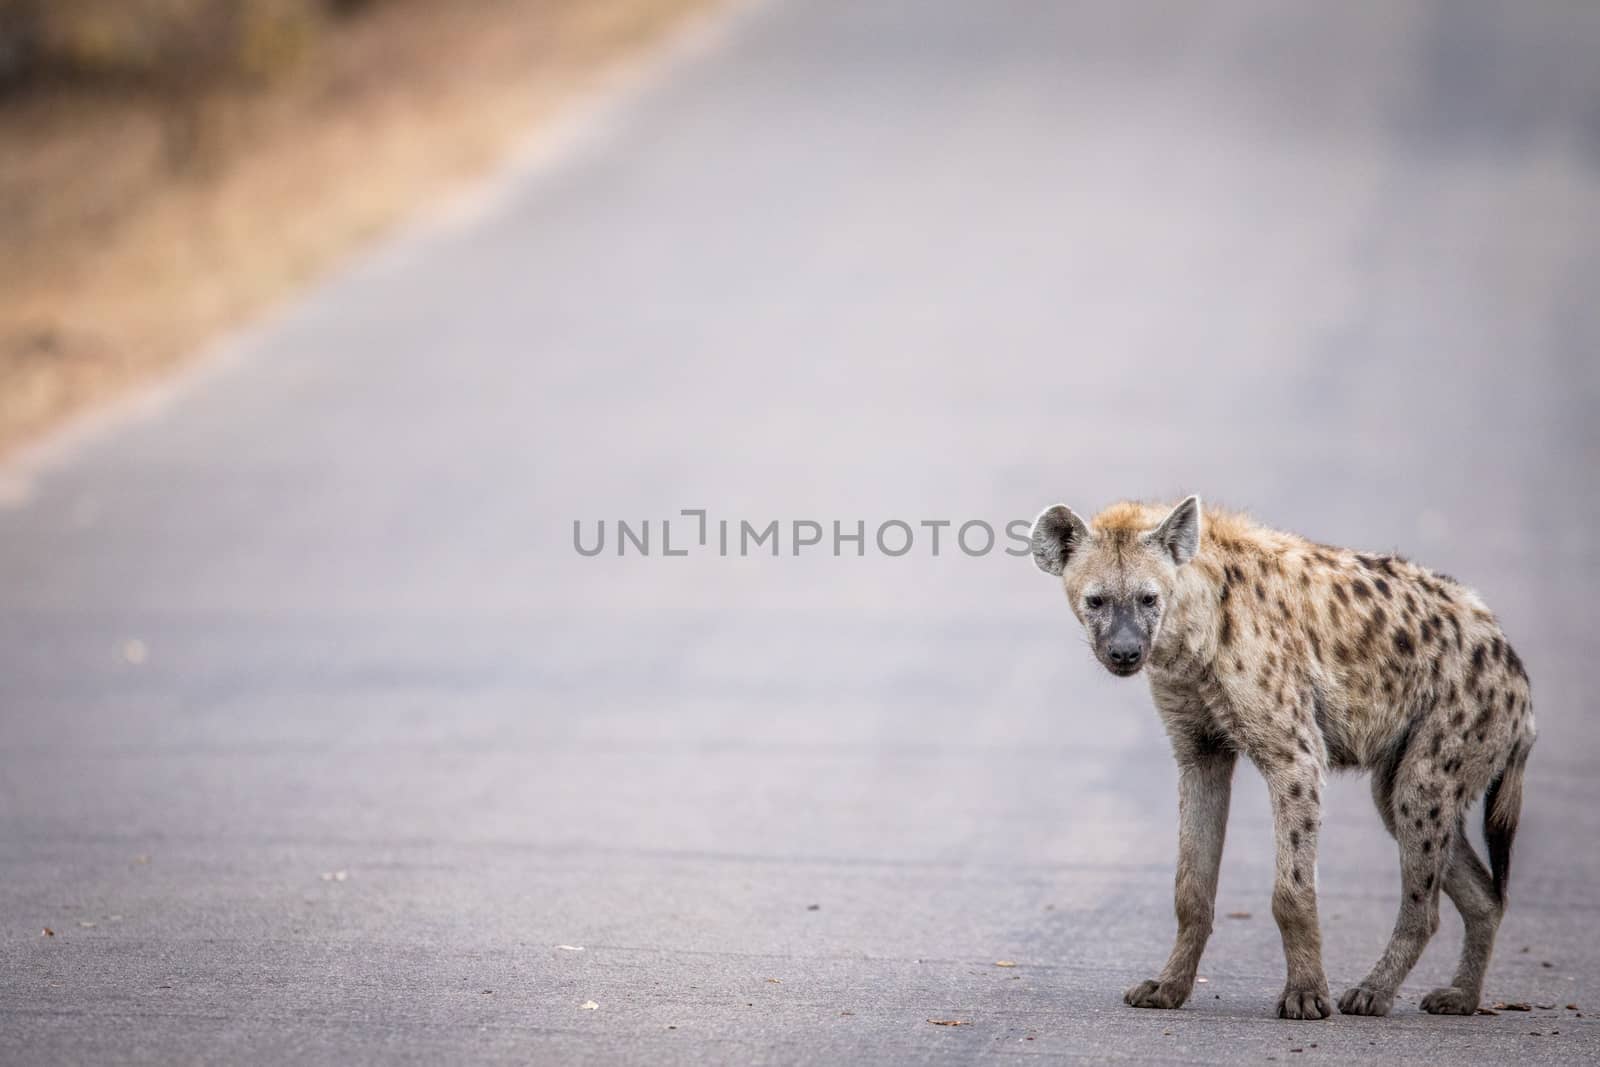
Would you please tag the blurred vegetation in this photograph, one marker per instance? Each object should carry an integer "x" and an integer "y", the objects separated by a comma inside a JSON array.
[
  {"x": 183, "y": 44},
  {"x": 171, "y": 168}
]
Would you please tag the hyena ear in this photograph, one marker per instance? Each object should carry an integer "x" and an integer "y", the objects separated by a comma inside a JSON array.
[
  {"x": 1057, "y": 533},
  {"x": 1179, "y": 533}
]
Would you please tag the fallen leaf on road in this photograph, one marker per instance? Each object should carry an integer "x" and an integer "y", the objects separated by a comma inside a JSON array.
[
  {"x": 135, "y": 651},
  {"x": 86, "y": 924},
  {"x": 1238, "y": 915},
  {"x": 775, "y": 981},
  {"x": 1202, "y": 979},
  {"x": 1005, "y": 963},
  {"x": 813, "y": 907},
  {"x": 1545, "y": 1007},
  {"x": 949, "y": 1022},
  {"x": 588, "y": 1005},
  {"x": 1572, "y": 1007},
  {"x": 570, "y": 948},
  {"x": 1487, "y": 1011},
  {"x": 1514, "y": 1006},
  {"x": 47, "y": 932}
]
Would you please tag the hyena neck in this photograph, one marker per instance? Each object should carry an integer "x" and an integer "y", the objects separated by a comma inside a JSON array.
[{"x": 1188, "y": 629}]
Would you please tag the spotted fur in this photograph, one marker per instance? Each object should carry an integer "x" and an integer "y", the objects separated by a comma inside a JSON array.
[{"x": 1306, "y": 658}]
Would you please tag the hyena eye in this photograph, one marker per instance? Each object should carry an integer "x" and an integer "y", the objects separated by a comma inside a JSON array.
[
  {"x": 1095, "y": 603},
  {"x": 1148, "y": 600}
]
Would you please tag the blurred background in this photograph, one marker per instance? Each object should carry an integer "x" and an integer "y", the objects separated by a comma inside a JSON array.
[
  {"x": 171, "y": 168},
  {"x": 319, "y": 739}
]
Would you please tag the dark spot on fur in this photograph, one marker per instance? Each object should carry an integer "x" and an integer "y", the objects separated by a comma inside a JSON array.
[
  {"x": 1294, "y": 790},
  {"x": 1381, "y": 585},
  {"x": 1402, "y": 643},
  {"x": 1296, "y": 873},
  {"x": 1340, "y": 594},
  {"x": 1478, "y": 655},
  {"x": 1427, "y": 846},
  {"x": 1261, "y": 593},
  {"x": 1361, "y": 589},
  {"x": 1207, "y": 741},
  {"x": 1387, "y": 768},
  {"x": 1294, "y": 838}
]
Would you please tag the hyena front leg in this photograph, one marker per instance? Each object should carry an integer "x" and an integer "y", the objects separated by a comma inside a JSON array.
[
  {"x": 1205, "y": 785},
  {"x": 1297, "y": 814}
]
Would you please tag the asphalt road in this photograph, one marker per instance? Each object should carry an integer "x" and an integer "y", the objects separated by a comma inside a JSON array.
[{"x": 319, "y": 742}]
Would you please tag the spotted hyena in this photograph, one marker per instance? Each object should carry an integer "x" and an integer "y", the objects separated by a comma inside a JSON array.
[{"x": 1304, "y": 658}]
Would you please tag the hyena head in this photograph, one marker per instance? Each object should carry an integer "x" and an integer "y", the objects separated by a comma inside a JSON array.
[{"x": 1119, "y": 575}]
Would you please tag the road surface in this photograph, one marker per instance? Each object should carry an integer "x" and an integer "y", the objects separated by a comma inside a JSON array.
[{"x": 320, "y": 742}]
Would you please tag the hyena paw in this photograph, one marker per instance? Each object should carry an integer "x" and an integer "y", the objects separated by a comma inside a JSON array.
[
  {"x": 1359, "y": 1000},
  {"x": 1304, "y": 1004},
  {"x": 1450, "y": 1000},
  {"x": 1153, "y": 994}
]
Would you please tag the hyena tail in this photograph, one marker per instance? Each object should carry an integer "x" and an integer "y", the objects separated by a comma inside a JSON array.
[{"x": 1502, "y": 807}]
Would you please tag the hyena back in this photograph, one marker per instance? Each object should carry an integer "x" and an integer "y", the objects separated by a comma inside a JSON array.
[{"x": 1304, "y": 658}]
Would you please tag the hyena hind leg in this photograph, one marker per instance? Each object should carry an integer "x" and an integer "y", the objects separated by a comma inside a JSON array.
[
  {"x": 1423, "y": 824},
  {"x": 1471, "y": 889}
]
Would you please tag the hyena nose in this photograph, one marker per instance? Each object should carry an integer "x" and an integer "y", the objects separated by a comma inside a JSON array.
[{"x": 1125, "y": 655}]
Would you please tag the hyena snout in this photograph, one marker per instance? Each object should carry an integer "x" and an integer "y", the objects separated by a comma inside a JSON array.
[
  {"x": 1125, "y": 643},
  {"x": 1124, "y": 657}
]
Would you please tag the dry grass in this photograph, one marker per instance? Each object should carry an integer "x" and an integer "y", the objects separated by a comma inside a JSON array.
[{"x": 139, "y": 224}]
